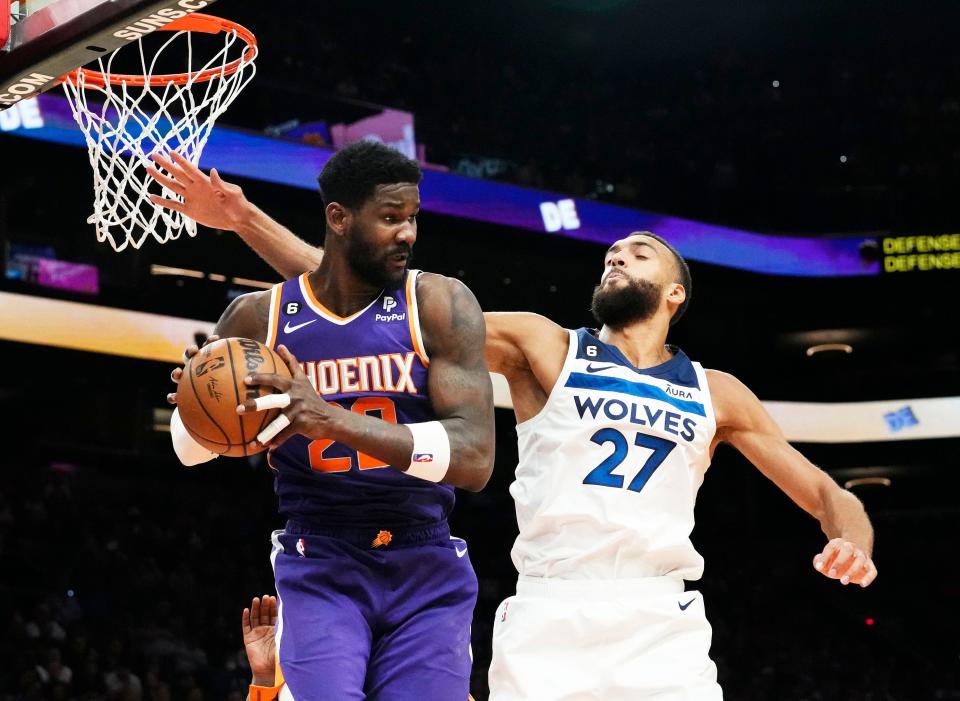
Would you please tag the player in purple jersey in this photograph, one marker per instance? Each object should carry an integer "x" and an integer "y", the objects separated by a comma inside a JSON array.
[{"x": 389, "y": 408}]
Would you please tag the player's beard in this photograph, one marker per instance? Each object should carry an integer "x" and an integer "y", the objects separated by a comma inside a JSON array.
[
  {"x": 373, "y": 264},
  {"x": 617, "y": 306}
]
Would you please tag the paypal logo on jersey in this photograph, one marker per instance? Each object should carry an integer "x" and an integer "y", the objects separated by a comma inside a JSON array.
[
  {"x": 388, "y": 304},
  {"x": 636, "y": 413}
]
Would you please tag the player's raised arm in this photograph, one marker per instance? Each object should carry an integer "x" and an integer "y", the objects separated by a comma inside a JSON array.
[
  {"x": 745, "y": 424},
  {"x": 209, "y": 200}
]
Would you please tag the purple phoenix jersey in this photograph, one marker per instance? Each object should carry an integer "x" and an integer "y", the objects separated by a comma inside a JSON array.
[
  {"x": 372, "y": 362},
  {"x": 376, "y": 597}
]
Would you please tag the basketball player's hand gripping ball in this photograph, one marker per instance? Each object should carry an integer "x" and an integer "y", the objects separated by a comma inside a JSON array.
[
  {"x": 303, "y": 411},
  {"x": 177, "y": 373},
  {"x": 211, "y": 383}
]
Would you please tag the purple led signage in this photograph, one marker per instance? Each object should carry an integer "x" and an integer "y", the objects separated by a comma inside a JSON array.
[{"x": 259, "y": 157}]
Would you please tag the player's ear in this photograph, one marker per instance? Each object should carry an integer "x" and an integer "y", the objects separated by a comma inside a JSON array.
[
  {"x": 338, "y": 218},
  {"x": 677, "y": 293}
]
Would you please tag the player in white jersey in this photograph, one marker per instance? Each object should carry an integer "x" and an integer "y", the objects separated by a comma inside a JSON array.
[{"x": 616, "y": 430}]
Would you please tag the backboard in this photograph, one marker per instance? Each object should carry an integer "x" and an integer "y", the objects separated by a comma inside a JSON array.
[{"x": 48, "y": 38}]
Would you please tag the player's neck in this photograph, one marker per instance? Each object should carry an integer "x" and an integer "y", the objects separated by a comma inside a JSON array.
[
  {"x": 337, "y": 287},
  {"x": 643, "y": 343}
]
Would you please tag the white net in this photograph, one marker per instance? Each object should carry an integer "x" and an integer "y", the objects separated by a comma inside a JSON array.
[{"x": 124, "y": 124}]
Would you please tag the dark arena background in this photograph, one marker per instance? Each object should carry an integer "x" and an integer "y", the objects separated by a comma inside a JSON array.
[{"x": 827, "y": 134}]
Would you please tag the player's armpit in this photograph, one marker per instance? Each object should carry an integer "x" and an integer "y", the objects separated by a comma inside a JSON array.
[
  {"x": 459, "y": 384},
  {"x": 246, "y": 317}
]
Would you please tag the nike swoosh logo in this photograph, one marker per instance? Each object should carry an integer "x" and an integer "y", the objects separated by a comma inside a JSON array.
[
  {"x": 601, "y": 368},
  {"x": 290, "y": 329},
  {"x": 683, "y": 607},
  {"x": 460, "y": 553}
]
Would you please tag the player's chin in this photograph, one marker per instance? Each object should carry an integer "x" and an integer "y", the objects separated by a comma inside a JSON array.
[{"x": 394, "y": 271}]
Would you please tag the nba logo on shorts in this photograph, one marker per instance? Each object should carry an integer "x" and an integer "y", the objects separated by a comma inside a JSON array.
[
  {"x": 300, "y": 549},
  {"x": 423, "y": 457},
  {"x": 389, "y": 303}
]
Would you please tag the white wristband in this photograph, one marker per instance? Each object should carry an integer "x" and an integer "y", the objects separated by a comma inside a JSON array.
[
  {"x": 187, "y": 449},
  {"x": 431, "y": 451}
]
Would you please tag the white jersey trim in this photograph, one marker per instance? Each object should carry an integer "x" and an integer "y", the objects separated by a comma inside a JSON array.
[
  {"x": 413, "y": 308},
  {"x": 274, "y": 318},
  {"x": 708, "y": 399}
]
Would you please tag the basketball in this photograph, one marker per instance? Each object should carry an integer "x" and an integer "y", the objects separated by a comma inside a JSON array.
[{"x": 212, "y": 386}]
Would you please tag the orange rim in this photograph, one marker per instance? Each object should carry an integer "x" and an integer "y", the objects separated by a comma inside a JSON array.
[{"x": 196, "y": 22}]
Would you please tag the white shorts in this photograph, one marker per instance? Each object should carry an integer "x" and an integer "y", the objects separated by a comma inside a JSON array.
[{"x": 615, "y": 640}]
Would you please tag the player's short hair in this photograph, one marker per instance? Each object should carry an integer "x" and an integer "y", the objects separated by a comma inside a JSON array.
[
  {"x": 683, "y": 274},
  {"x": 352, "y": 174}
]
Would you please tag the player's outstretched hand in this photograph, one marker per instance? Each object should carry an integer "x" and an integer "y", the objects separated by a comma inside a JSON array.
[
  {"x": 177, "y": 373},
  {"x": 207, "y": 199},
  {"x": 304, "y": 412},
  {"x": 845, "y": 560},
  {"x": 259, "y": 638}
]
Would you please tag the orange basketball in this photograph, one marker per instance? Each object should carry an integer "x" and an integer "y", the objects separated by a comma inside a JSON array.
[{"x": 212, "y": 386}]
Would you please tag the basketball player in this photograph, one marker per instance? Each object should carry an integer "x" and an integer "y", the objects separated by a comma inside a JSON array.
[
  {"x": 390, "y": 407},
  {"x": 616, "y": 430}
]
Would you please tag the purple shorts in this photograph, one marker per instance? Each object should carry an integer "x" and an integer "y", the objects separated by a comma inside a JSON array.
[{"x": 385, "y": 623}]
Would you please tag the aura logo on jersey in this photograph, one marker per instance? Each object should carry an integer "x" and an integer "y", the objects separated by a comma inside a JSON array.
[
  {"x": 391, "y": 372},
  {"x": 677, "y": 392},
  {"x": 636, "y": 413}
]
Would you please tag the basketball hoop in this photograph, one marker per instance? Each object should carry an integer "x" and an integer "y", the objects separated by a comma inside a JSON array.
[{"x": 147, "y": 113}]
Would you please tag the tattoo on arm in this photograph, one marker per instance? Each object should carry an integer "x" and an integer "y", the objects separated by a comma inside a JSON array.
[{"x": 459, "y": 384}]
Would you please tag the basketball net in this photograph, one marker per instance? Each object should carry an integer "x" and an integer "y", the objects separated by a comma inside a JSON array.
[{"x": 126, "y": 118}]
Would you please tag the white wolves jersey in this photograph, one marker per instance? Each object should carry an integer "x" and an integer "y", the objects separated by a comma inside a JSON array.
[{"x": 609, "y": 469}]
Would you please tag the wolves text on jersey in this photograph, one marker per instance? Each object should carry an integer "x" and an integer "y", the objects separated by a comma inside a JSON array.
[{"x": 636, "y": 413}]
